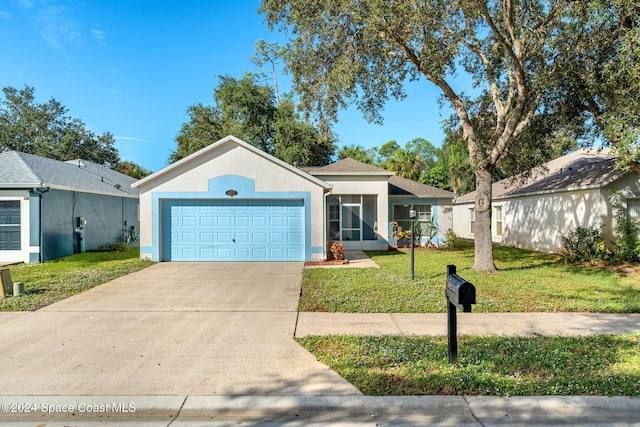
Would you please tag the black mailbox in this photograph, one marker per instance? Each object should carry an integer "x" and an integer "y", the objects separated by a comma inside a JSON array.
[{"x": 459, "y": 292}]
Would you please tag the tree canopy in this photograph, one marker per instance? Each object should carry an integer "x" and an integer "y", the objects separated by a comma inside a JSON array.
[
  {"x": 362, "y": 52},
  {"x": 599, "y": 77},
  {"x": 46, "y": 130},
  {"x": 251, "y": 111}
]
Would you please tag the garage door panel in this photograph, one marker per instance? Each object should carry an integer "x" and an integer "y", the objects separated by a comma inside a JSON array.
[
  {"x": 207, "y": 221},
  {"x": 259, "y": 237},
  {"x": 233, "y": 230},
  {"x": 242, "y": 237},
  {"x": 207, "y": 253},
  {"x": 225, "y": 221},
  {"x": 259, "y": 221},
  {"x": 276, "y": 237},
  {"x": 242, "y": 221}
]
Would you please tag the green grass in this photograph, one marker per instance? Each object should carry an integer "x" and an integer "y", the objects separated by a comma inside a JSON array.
[
  {"x": 528, "y": 281},
  {"x": 502, "y": 366},
  {"x": 56, "y": 280}
]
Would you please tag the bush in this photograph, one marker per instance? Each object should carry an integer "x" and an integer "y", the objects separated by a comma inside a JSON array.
[
  {"x": 452, "y": 241},
  {"x": 112, "y": 247},
  {"x": 585, "y": 244}
]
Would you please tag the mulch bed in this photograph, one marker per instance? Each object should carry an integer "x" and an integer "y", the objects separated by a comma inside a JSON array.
[{"x": 332, "y": 262}]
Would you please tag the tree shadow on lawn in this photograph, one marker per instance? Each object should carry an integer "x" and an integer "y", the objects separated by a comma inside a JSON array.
[{"x": 488, "y": 365}]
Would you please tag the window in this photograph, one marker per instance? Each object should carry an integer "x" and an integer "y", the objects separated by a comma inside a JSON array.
[
  {"x": 10, "y": 225},
  {"x": 401, "y": 216},
  {"x": 498, "y": 220},
  {"x": 633, "y": 210},
  {"x": 472, "y": 219}
]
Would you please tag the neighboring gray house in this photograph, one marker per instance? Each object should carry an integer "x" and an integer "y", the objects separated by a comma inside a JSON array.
[
  {"x": 570, "y": 191},
  {"x": 50, "y": 209},
  {"x": 233, "y": 202}
]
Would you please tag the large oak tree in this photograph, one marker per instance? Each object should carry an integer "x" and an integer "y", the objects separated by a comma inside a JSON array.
[
  {"x": 251, "y": 111},
  {"x": 362, "y": 52},
  {"x": 46, "y": 130}
]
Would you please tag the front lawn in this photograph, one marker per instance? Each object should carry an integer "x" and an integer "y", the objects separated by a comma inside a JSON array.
[
  {"x": 528, "y": 281},
  {"x": 495, "y": 366},
  {"x": 56, "y": 280}
]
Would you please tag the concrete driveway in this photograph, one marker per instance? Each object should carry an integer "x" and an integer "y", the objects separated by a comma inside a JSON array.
[{"x": 171, "y": 329}]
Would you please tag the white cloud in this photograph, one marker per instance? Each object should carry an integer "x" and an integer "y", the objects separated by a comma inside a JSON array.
[
  {"x": 131, "y": 138},
  {"x": 55, "y": 25},
  {"x": 4, "y": 15},
  {"x": 98, "y": 35}
]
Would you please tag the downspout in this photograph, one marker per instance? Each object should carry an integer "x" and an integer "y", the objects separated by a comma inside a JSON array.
[
  {"x": 41, "y": 190},
  {"x": 324, "y": 222}
]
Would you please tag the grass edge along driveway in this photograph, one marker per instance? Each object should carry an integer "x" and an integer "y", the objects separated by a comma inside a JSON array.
[
  {"x": 52, "y": 281},
  {"x": 528, "y": 281}
]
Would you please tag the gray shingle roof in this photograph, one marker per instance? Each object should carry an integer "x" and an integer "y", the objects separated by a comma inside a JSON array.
[
  {"x": 22, "y": 170},
  {"x": 399, "y": 186},
  {"x": 581, "y": 168},
  {"x": 347, "y": 166}
]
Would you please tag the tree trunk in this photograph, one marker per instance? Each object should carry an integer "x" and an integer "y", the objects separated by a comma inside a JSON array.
[{"x": 483, "y": 260}]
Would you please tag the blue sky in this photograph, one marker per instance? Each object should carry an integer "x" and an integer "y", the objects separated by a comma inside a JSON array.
[{"x": 133, "y": 67}]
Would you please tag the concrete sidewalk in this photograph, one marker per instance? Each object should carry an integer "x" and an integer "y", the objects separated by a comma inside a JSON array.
[
  {"x": 371, "y": 411},
  {"x": 514, "y": 324}
]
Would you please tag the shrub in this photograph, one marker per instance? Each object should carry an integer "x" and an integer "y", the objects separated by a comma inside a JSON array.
[
  {"x": 337, "y": 250},
  {"x": 452, "y": 241},
  {"x": 112, "y": 247},
  {"x": 585, "y": 244}
]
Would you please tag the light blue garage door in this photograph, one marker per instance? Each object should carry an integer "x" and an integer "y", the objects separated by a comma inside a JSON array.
[{"x": 233, "y": 230}]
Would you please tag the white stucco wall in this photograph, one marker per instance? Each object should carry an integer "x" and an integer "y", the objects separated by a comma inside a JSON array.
[
  {"x": 230, "y": 159},
  {"x": 444, "y": 211},
  {"x": 538, "y": 222}
]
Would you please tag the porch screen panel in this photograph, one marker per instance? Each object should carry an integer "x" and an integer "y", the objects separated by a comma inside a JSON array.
[
  {"x": 369, "y": 217},
  {"x": 351, "y": 222},
  {"x": 333, "y": 220},
  {"x": 10, "y": 225}
]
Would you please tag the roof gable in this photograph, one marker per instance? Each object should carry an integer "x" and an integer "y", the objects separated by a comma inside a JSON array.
[
  {"x": 183, "y": 163},
  {"x": 584, "y": 168},
  {"x": 22, "y": 170}
]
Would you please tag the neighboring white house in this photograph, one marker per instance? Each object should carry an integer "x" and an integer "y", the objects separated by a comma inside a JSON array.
[
  {"x": 233, "y": 202},
  {"x": 570, "y": 191}
]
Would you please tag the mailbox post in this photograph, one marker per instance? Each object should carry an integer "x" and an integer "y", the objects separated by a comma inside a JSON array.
[{"x": 460, "y": 294}]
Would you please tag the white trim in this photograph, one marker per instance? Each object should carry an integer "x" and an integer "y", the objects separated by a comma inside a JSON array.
[
  {"x": 22, "y": 254},
  {"x": 28, "y": 187},
  {"x": 351, "y": 173},
  {"x": 221, "y": 142}
]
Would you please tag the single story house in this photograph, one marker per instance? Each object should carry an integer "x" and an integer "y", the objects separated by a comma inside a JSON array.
[
  {"x": 50, "y": 209},
  {"x": 231, "y": 201},
  {"x": 570, "y": 191}
]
